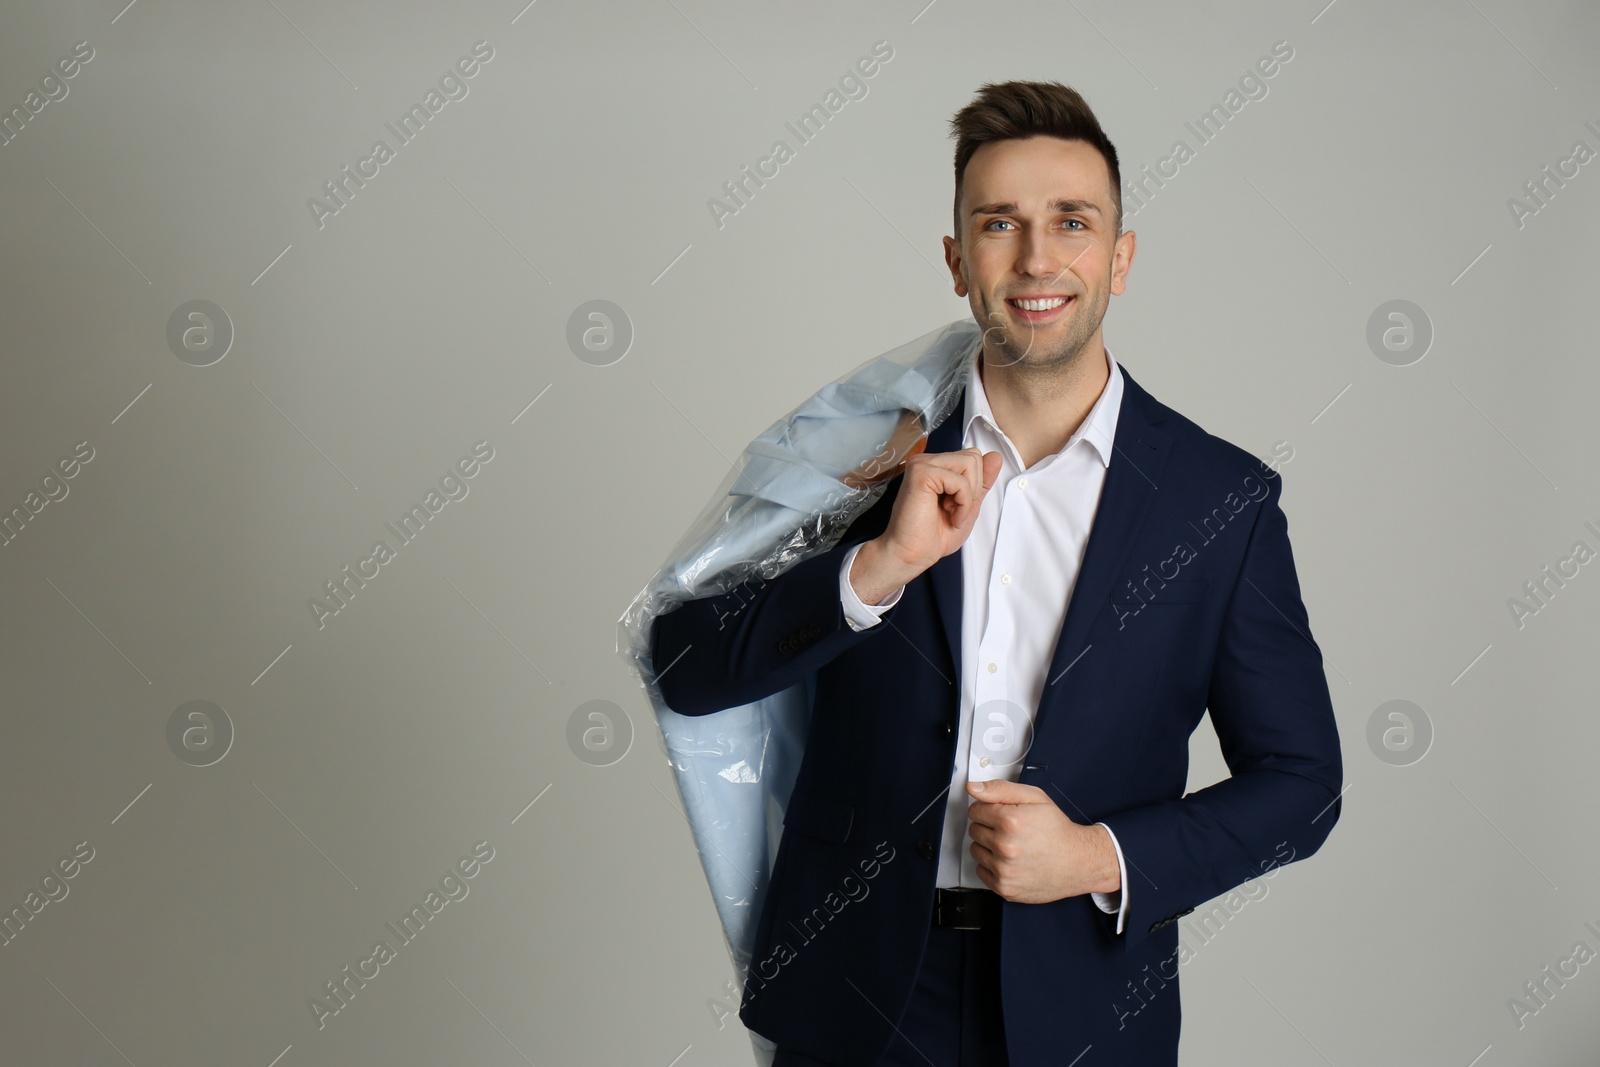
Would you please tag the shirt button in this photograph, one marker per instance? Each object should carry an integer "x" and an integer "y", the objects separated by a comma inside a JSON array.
[
  {"x": 993, "y": 667},
  {"x": 1022, "y": 483},
  {"x": 1005, "y": 579},
  {"x": 983, "y": 761}
]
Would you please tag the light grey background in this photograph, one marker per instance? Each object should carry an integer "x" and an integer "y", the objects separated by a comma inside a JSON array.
[{"x": 432, "y": 311}]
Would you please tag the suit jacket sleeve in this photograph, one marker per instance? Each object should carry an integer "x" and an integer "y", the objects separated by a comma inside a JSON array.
[
  {"x": 1269, "y": 703},
  {"x": 763, "y": 636}
]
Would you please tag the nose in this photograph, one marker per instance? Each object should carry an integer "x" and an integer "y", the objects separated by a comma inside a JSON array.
[{"x": 1037, "y": 256}]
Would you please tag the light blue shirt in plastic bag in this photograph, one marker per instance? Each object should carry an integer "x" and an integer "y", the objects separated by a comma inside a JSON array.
[{"x": 793, "y": 493}]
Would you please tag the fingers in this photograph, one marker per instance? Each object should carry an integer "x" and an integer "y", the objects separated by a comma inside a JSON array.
[
  {"x": 952, "y": 472},
  {"x": 976, "y": 472},
  {"x": 972, "y": 464},
  {"x": 961, "y": 479}
]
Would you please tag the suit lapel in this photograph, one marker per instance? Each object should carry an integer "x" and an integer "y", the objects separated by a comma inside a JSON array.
[{"x": 1137, "y": 463}]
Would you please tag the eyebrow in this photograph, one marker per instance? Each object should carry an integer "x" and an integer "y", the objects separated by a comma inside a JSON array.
[{"x": 1055, "y": 205}]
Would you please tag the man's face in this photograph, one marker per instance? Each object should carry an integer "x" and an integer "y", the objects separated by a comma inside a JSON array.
[{"x": 1038, "y": 223}]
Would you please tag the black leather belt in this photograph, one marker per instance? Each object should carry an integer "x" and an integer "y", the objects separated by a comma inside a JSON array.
[{"x": 966, "y": 909}]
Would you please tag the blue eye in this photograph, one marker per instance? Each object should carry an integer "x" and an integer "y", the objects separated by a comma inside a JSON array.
[
  {"x": 992, "y": 223},
  {"x": 996, "y": 222}
]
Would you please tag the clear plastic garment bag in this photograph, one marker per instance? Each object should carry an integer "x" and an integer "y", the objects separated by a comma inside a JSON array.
[{"x": 793, "y": 493}]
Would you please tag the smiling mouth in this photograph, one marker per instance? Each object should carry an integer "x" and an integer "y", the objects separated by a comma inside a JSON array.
[{"x": 1038, "y": 309}]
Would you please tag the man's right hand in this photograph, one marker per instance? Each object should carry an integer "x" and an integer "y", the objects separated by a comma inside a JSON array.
[{"x": 935, "y": 510}]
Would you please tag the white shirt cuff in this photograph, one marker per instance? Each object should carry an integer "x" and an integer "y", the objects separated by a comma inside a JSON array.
[
  {"x": 1110, "y": 902},
  {"x": 861, "y": 616}
]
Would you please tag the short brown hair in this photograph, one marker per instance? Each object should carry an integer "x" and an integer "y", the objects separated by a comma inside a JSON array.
[{"x": 1010, "y": 110}]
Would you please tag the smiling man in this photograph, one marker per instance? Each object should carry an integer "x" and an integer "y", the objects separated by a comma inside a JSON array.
[{"x": 1011, "y": 649}]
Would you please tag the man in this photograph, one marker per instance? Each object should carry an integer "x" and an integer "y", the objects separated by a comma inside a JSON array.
[{"x": 999, "y": 740}]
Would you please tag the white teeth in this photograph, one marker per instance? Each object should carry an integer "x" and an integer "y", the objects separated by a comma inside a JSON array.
[{"x": 1040, "y": 305}]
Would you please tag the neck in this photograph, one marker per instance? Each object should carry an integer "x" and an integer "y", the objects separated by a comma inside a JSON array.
[{"x": 1040, "y": 407}]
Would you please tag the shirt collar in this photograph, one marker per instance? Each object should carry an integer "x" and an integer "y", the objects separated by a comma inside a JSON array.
[{"x": 1099, "y": 426}]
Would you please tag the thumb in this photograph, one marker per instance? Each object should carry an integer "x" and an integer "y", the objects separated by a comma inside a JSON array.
[{"x": 991, "y": 470}]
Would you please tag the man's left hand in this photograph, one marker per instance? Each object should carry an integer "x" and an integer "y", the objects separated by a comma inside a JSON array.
[{"x": 1030, "y": 852}]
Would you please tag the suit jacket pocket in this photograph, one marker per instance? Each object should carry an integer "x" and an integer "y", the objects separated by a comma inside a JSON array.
[{"x": 819, "y": 815}]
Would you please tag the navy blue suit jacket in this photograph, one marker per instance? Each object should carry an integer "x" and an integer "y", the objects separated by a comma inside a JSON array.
[{"x": 1187, "y": 599}]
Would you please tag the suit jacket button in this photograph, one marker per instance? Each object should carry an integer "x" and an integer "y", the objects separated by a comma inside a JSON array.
[
  {"x": 947, "y": 730},
  {"x": 925, "y": 849}
]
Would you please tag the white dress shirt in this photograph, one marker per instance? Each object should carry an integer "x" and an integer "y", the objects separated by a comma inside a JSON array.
[{"x": 1018, "y": 568}]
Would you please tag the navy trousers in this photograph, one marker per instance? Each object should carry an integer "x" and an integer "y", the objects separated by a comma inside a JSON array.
[{"x": 954, "y": 1017}]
